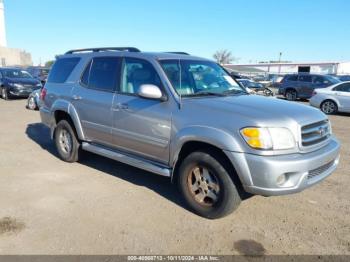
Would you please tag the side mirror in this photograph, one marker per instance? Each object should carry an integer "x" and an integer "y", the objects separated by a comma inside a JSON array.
[{"x": 150, "y": 92}]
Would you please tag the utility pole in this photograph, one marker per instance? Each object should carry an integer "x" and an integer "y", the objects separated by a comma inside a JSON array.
[
  {"x": 279, "y": 62},
  {"x": 3, "y": 42}
]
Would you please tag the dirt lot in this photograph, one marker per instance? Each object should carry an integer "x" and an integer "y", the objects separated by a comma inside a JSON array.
[{"x": 103, "y": 207}]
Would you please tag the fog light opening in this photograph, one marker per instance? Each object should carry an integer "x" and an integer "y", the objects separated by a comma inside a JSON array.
[{"x": 281, "y": 180}]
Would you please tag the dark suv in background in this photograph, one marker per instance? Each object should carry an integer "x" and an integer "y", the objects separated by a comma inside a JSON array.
[
  {"x": 303, "y": 85},
  {"x": 39, "y": 73},
  {"x": 15, "y": 82}
]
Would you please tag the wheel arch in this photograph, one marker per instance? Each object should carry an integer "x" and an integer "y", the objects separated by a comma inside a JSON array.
[
  {"x": 64, "y": 110},
  {"x": 191, "y": 146},
  {"x": 331, "y": 99}
]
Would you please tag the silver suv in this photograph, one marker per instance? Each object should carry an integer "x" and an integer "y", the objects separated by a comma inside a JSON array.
[{"x": 185, "y": 118}]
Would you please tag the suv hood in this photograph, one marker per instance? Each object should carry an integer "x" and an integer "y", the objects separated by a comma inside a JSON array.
[
  {"x": 23, "y": 81},
  {"x": 257, "y": 110}
]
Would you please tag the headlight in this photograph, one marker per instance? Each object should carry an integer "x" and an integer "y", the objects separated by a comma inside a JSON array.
[{"x": 268, "y": 138}]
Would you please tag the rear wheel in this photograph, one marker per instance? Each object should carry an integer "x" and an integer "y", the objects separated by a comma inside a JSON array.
[
  {"x": 291, "y": 95},
  {"x": 329, "y": 107},
  {"x": 67, "y": 143},
  {"x": 207, "y": 187}
]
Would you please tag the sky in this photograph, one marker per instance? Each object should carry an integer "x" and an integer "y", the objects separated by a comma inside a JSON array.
[{"x": 253, "y": 30}]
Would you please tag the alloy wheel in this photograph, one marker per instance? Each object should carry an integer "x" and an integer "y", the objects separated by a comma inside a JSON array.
[
  {"x": 31, "y": 103},
  {"x": 329, "y": 107},
  {"x": 203, "y": 186},
  {"x": 65, "y": 140}
]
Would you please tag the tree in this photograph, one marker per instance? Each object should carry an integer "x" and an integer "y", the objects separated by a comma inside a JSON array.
[
  {"x": 49, "y": 63},
  {"x": 224, "y": 57}
]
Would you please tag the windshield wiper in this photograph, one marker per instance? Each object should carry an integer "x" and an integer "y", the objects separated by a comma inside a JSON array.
[{"x": 205, "y": 93}]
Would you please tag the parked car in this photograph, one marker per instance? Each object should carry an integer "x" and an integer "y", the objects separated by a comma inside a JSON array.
[
  {"x": 16, "y": 82},
  {"x": 344, "y": 78},
  {"x": 39, "y": 73},
  {"x": 276, "y": 80},
  {"x": 303, "y": 85},
  {"x": 33, "y": 101},
  {"x": 185, "y": 118},
  {"x": 256, "y": 88},
  {"x": 332, "y": 99}
]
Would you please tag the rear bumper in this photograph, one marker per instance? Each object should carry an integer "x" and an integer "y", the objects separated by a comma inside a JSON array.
[{"x": 260, "y": 174}]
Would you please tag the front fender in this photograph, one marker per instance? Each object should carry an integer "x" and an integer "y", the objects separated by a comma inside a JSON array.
[
  {"x": 213, "y": 136},
  {"x": 65, "y": 106}
]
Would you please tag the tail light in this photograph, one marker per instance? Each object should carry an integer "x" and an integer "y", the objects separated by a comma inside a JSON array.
[{"x": 43, "y": 94}]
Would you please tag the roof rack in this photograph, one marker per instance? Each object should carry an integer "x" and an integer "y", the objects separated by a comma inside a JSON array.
[
  {"x": 178, "y": 53},
  {"x": 104, "y": 49}
]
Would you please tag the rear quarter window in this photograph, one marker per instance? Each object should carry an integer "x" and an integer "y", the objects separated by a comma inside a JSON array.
[{"x": 62, "y": 69}]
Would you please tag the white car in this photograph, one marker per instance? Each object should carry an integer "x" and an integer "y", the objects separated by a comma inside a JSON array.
[{"x": 332, "y": 99}]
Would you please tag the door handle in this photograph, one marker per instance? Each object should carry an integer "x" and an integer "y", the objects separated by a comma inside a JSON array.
[{"x": 75, "y": 97}]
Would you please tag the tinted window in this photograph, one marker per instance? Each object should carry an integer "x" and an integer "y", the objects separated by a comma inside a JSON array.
[
  {"x": 306, "y": 78},
  {"x": 102, "y": 73},
  {"x": 319, "y": 80},
  {"x": 292, "y": 78},
  {"x": 343, "y": 88},
  {"x": 62, "y": 69},
  {"x": 137, "y": 72}
]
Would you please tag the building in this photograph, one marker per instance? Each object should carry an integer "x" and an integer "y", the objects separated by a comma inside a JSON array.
[
  {"x": 333, "y": 68},
  {"x": 10, "y": 56}
]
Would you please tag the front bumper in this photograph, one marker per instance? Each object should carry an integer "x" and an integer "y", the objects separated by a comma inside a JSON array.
[
  {"x": 21, "y": 92},
  {"x": 260, "y": 174}
]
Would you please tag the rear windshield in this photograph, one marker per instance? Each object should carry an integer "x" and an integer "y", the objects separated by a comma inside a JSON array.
[{"x": 62, "y": 69}]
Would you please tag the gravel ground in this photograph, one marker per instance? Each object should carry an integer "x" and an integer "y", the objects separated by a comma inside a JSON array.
[{"x": 103, "y": 207}]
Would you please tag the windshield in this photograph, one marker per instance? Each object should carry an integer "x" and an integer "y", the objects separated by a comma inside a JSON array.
[
  {"x": 333, "y": 80},
  {"x": 16, "y": 73},
  {"x": 199, "y": 78}
]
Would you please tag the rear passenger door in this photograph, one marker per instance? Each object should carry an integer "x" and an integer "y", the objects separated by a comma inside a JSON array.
[
  {"x": 93, "y": 98},
  {"x": 306, "y": 87},
  {"x": 141, "y": 126}
]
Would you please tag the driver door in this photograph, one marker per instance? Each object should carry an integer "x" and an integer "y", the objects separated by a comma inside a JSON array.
[{"x": 141, "y": 126}]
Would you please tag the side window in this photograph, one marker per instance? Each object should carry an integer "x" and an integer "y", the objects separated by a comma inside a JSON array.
[
  {"x": 62, "y": 69},
  {"x": 102, "y": 74},
  {"x": 318, "y": 80},
  {"x": 305, "y": 78},
  {"x": 343, "y": 88},
  {"x": 292, "y": 78},
  {"x": 137, "y": 72}
]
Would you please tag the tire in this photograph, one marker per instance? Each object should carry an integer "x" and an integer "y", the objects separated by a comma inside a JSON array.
[
  {"x": 291, "y": 95},
  {"x": 329, "y": 107},
  {"x": 67, "y": 144},
  {"x": 207, "y": 187},
  {"x": 31, "y": 104},
  {"x": 4, "y": 94}
]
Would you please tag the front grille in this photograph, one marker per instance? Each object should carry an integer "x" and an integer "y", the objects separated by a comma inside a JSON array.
[
  {"x": 315, "y": 133},
  {"x": 319, "y": 171}
]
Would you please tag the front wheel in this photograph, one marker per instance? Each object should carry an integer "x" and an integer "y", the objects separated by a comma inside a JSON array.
[
  {"x": 66, "y": 142},
  {"x": 4, "y": 94},
  {"x": 207, "y": 187},
  {"x": 291, "y": 95},
  {"x": 329, "y": 107}
]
